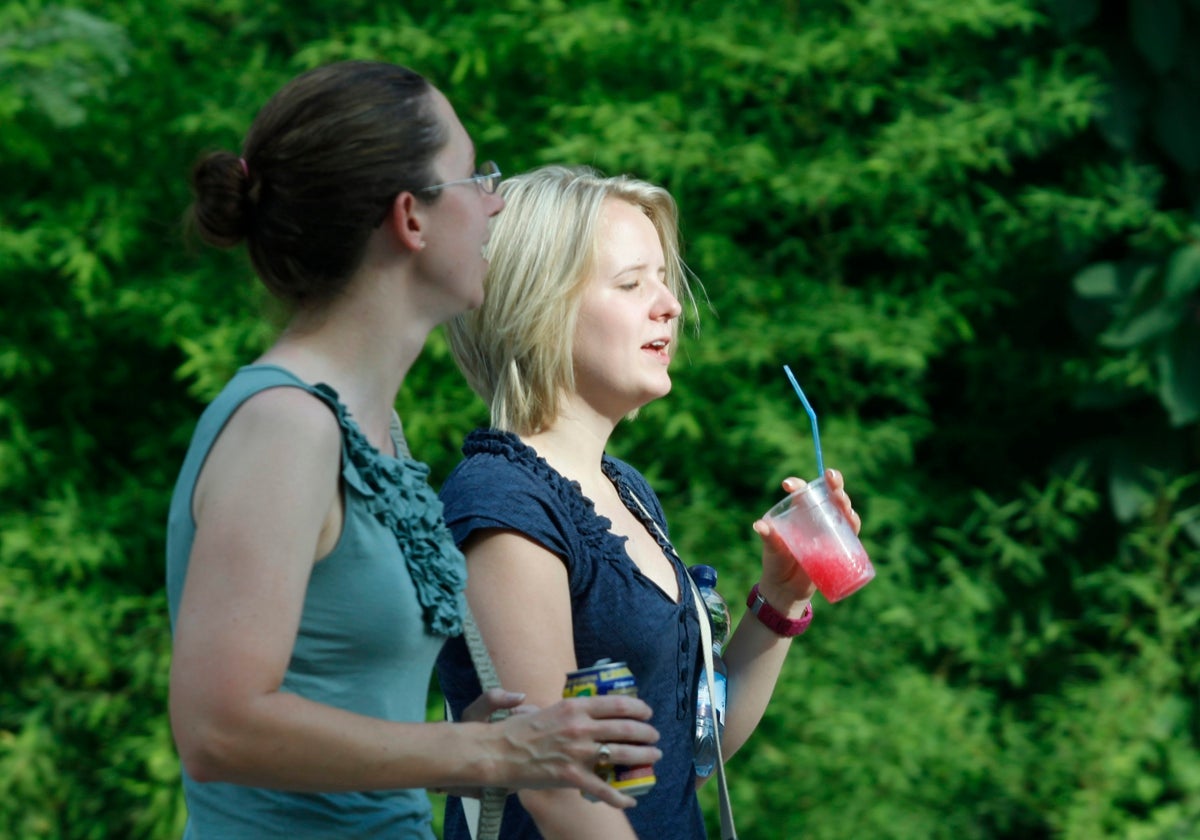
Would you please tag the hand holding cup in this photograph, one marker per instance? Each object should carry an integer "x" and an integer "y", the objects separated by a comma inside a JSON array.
[{"x": 811, "y": 538}]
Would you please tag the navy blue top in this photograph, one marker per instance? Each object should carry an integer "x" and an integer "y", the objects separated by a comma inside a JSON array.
[{"x": 616, "y": 612}]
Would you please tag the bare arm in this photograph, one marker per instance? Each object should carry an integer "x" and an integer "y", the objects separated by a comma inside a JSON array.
[
  {"x": 755, "y": 654},
  {"x": 264, "y": 516},
  {"x": 519, "y": 594}
]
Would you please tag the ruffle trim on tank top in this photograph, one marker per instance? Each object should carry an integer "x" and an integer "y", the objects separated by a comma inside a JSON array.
[
  {"x": 397, "y": 493},
  {"x": 594, "y": 530}
]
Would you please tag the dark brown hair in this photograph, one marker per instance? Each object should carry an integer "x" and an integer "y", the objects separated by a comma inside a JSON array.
[{"x": 322, "y": 162}]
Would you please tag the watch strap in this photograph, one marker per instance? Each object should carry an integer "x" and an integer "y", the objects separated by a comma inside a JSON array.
[{"x": 776, "y": 621}]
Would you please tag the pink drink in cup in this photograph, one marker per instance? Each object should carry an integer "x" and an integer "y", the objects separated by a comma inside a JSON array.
[{"x": 822, "y": 541}]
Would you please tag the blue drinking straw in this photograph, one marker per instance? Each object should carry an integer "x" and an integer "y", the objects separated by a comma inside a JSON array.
[{"x": 812, "y": 417}]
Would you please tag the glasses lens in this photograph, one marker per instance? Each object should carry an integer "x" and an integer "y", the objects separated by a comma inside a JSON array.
[{"x": 489, "y": 176}]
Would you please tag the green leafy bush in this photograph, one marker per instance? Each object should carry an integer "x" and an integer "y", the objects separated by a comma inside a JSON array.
[{"x": 967, "y": 226}]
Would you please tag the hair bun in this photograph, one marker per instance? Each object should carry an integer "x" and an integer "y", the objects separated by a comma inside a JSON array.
[{"x": 220, "y": 212}]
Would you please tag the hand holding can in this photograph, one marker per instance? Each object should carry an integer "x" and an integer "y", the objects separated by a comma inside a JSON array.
[{"x": 608, "y": 677}]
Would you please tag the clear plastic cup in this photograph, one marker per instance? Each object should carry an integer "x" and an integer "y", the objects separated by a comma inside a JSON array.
[{"x": 822, "y": 541}]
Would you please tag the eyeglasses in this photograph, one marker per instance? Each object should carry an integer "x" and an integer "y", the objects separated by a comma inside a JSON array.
[{"x": 487, "y": 177}]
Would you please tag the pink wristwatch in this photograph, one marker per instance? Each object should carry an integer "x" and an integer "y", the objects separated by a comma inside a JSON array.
[{"x": 774, "y": 619}]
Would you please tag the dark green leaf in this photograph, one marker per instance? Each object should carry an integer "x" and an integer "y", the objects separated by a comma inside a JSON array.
[{"x": 1157, "y": 30}]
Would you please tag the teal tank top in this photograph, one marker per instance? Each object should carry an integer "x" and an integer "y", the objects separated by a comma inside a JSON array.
[{"x": 375, "y": 616}]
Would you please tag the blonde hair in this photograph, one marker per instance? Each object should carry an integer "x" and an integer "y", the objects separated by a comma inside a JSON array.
[{"x": 516, "y": 349}]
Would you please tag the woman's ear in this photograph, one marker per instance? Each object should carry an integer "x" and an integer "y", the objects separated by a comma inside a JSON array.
[{"x": 407, "y": 220}]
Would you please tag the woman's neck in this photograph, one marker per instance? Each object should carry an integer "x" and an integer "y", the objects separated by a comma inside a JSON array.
[
  {"x": 360, "y": 348},
  {"x": 574, "y": 445}
]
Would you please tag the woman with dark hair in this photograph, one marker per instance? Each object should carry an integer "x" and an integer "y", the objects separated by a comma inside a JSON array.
[{"x": 310, "y": 577}]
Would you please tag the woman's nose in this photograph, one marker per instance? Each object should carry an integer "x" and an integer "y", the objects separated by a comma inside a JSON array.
[{"x": 668, "y": 307}]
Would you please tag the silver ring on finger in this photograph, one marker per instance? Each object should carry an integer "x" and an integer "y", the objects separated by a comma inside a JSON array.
[{"x": 603, "y": 754}]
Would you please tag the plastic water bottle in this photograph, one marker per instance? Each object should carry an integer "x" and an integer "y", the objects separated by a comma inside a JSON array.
[{"x": 705, "y": 747}]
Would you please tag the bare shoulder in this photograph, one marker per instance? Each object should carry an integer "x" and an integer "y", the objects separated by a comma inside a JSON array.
[
  {"x": 278, "y": 438},
  {"x": 286, "y": 413}
]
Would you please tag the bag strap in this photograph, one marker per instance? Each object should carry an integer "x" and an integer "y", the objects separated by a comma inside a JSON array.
[
  {"x": 483, "y": 817},
  {"x": 728, "y": 831}
]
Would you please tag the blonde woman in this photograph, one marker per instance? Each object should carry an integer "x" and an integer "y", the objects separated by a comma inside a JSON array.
[{"x": 567, "y": 546}]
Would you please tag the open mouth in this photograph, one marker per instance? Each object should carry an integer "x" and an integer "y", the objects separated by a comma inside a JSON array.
[{"x": 658, "y": 346}]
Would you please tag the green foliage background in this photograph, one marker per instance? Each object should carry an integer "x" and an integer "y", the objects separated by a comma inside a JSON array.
[{"x": 968, "y": 225}]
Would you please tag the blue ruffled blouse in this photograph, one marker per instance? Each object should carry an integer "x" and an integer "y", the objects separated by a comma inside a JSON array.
[
  {"x": 616, "y": 612},
  {"x": 396, "y": 492},
  {"x": 376, "y": 612}
]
